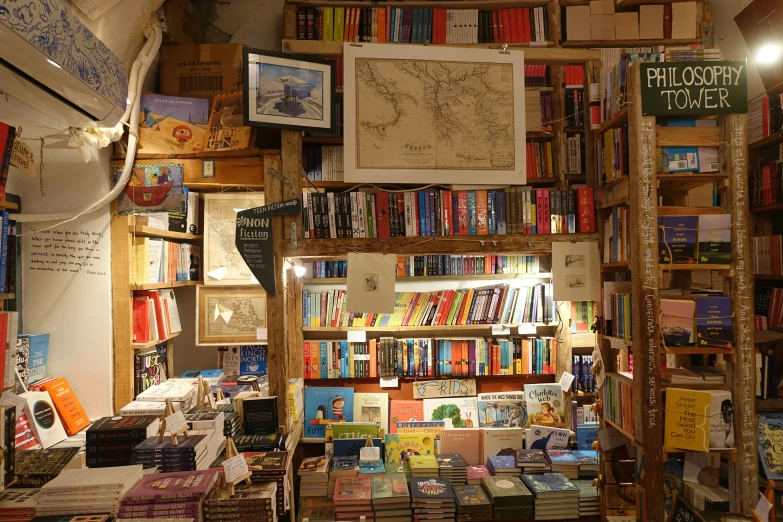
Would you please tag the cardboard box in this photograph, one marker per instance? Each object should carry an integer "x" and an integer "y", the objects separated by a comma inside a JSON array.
[
  {"x": 201, "y": 71},
  {"x": 602, "y": 27},
  {"x": 626, "y": 26},
  {"x": 601, "y": 7},
  {"x": 577, "y": 22},
  {"x": 650, "y": 22},
  {"x": 182, "y": 23}
]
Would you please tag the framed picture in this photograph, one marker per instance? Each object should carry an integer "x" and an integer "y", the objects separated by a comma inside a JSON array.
[
  {"x": 229, "y": 315},
  {"x": 223, "y": 264},
  {"x": 288, "y": 91}
]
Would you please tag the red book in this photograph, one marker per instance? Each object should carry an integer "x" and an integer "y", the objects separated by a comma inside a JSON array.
[
  {"x": 401, "y": 212},
  {"x": 6, "y": 347},
  {"x": 381, "y": 25},
  {"x": 306, "y": 359},
  {"x": 667, "y": 21},
  {"x": 320, "y": 11},
  {"x": 547, "y": 212},
  {"x": 518, "y": 12},
  {"x": 585, "y": 210},
  {"x": 526, "y": 24},
  {"x": 447, "y": 215},
  {"x": 765, "y": 115},
  {"x": 382, "y": 213},
  {"x": 7, "y": 137},
  {"x": 163, "y": 327},
  {"x": 496, "y": 36},
  {"x": 506, "y": 26},
  {"x": 514, "y": 32},
  {"x": 539, "y": 211},
  {"x": 463, "y": 212},
  {"x": 141, "y": 330}
]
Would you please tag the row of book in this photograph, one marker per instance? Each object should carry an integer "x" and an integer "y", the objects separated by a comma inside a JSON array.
[
  {"x": 704, "y": 239},
  {"x": 574, "y": 107},
  {"x": 583, "y": 316},
  {"x": 617, "y": 244},
  {"x": 584, "y": 381},
  {"x": 618, "y": 402},
  {"x": 698, "y": 420},
  {"x": 575, "y": 149},
  {"x": 619, "y": 324},
  {"x": 771, "y": 300},
  {"x": 7, "y": 138},
  {"x": 539, "y": 160},
  {"x": 598, "y": 21},
  {"x": 539, "y": 112},
  {"x": 613, "y": 87},
  {"x": 766, "y": 185},
  {"x": 155, "y": 315},
  {"x": 767, "y": 255},
  {"x": 612, "y": 154},
  {"x": 499, "y": 304},
  {"x": 323, "y": 162},
  {"x": 156, "y": 260},
  {"x": 765, "y": 116},
  {"x": 711, "y": 316},
  {"x": 422, "y": 25},
  {"x": 513, "y": 210},
  {"x": 430, "y": 357}
]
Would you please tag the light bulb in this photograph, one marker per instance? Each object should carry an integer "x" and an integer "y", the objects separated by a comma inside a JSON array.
[
  {"x": 299, "y": 270},
  {"x": 769, "y": 53}
]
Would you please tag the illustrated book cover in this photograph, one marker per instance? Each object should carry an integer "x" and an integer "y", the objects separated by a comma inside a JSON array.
[
  {"x": 545, "y": 405},
  {"x": 325, "y": 405}
]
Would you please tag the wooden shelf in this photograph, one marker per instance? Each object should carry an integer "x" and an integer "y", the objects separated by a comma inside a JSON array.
[
  {"x": 595, "y": 44},
  {"x": 767, "y": 336},
  {"x": 768, "y": 277},
  {"x": 7, "y": 205},
  {"x": 541, "y": 181},
  {"x": 220, "y": 187},
  {"x": 323, "y": 140},
  {"x": 688, "y": 181},
  {"x": 5, "y": 297},
  {"x": 145, "y": 231},
  {"x": 769, "y": 404},
  {"x": 574, "y": 130},
  {"x": 731, "y": 453},
  {"x": 509, "y": 244},
  {"x": 767, "y": 208},
  {"x": 620, "y": 429},
  {"x": 171, "y": 284},
  {"x": 620, "y": 377},
  {"x": 617, "y": 121},
  {"x": 467, "y": 4},
  {"x": 529, "y": 378},
  {"x": 624, "y": 341},
  {"x": 412, "y": 329},
  {"x": 433, "y": 279},
  {"x": 617, "y": 266},
  {"x": 144, "y": 346},
  {"x": 693, "y": 267},
  {"x": 689, "y": 211},
  {"x": 695, "y": 350},
  {"x": 211, "y": 154},
  {"x": 539, "y": 135},
  {"x": 585, "y": 394},
  {"x": 772, "y": 139}
]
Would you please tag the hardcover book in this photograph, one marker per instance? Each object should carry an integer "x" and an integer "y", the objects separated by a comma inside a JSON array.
[
  {"x": 36, "y": 349},
  {"x": 721, "y": 419},
  {"x": 352, "y": 447},
  {"x": 531, "y": 458},
  {"x": 501, "y": 463},
  {"x": 325, "y": 405},
  {"x": 260, "y": 415},
  {"x": 354, "y": 430},
  {"x": 544, "y": 405},
  {"x": 468, "y": 442},
  {"x": 34, "y": 468},
  {"x": 586, "y": 434},
  {"x": 677, "y": 239},
  {"x": 225, "y": 130},
  {"x": 400, "y": 446},
  {"x": 461, "y": 412},
  {"x": 472, "y": 499},
  {"x": 714, "y": 322},
  {"x": 353, "y": 490},
  {"x": 687, "y": 419},
  {"x": 172, "y": 124},
  {"x": 389, "y": 488},
  {"x": 425, "y": 489},
  {"x": 433, "y": 428},
  {"x": 550, "y": 485},
  {"x": 43, "y": 418},
  {"x": 372, "y": 407},
  {"x": 502, "y": 410},
  {"x": 172, "y": 487},
  {"x": 127, "y": 428},
  {"x": 543, "y": 437},
  {"x": 507, "y": 491},
  {"x": 715, "y": 239},
  {"x": 503, "y": 441},
  {"x": 476, "y": 473},
  {"x": 677, "y": 321}
]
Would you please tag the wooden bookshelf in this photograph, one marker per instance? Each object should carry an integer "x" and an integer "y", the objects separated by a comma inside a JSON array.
[
  {"x": 595, "y": 44},
  {"x": 619, "y": 428},
  {"x": 146, "y": 231},
  {"x": 406, "y": 330},
  {"x": 772, "y": 139},
  {"x": 435, "y": 278},
  {"x": 8, "y": 205},
  {"x": 767, "y": 208},
  {"x": 7, "y": 297},
  {"x": 151, "y": 344},
  {"x": 170, "y": 284},
  {"x": 447, "y": 4}
]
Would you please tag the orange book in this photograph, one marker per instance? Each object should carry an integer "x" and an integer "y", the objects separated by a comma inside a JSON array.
[
  {"x": 373, "y": 358},
  {"x": 525, "y": 355},
  {"x": 553, "y": 355},
  {"x": 466, "y": 309},
  {"x": 69, "y": 408},
  {"x": 382, "y": 24},
  {"x": 482, "y": 226}
]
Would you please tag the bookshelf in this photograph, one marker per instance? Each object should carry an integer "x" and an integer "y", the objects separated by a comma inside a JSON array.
[{"x": 646, "y": 197}]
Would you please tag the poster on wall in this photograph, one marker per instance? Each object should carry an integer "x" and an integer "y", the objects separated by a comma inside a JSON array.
[
  {"x": 370, "y": 283},
  {"x": 575, "y": 274},
  {"x": 403, "y": 126}
]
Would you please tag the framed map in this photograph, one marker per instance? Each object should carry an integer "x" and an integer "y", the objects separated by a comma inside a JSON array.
[
  {"x": 420, "y": 114},
  {"x": 223, "y": 265},
  {"x": 229, "y": 315}
]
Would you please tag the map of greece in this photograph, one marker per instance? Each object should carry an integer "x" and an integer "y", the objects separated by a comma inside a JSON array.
[{"x": 432, "y": 114}]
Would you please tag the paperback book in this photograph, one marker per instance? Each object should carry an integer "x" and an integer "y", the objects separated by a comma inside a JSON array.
[
  {"x": 677, "y": 321},
  {"x": 715, "y": 239},
  {"x": 502, "y": 410},
  {"x": 459, "y": 412},
  {"x": 544, "y": 437},
  {"x": 372, "y": 407},
  {"x": 544, "y": 405},
  {"x": 400, "y": 446},
  {"x": 677, "y": 239},
  {"x": 714, "y": 322}
]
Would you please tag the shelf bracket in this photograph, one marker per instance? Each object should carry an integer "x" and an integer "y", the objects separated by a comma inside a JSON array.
[{"x": 294, "y": 238}]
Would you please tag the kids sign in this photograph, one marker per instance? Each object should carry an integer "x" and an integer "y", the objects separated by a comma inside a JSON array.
[{"x": 694, "y": 88}]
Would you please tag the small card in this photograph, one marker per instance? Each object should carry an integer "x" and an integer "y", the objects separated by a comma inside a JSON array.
[
  {"x": 565, "y": 381},
  {"x": 261, "y": 334},
  {"x": 372, "y": 454},
  {"x": 357, "y": 336},
  {"x": 500, "y": 329},
  {"x": 236, "y": 469},
  {"x": 762, "y": 509},
  {"x": 527, "y": 329},
  {"x": 176, "y": 423},
  {"x": 390, "y": 382}
]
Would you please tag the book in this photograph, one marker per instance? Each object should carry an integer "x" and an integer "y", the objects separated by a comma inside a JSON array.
[
  {"x": 43, "y": 418},
  {"x": 714, "y": 322},
  {"x": 34, "y": 468},
  {"x": 676, "y": 321},
  {"x": 715, "y": 239},
  {"x": 182, "y": 486},
  {"x": 123, "y": 429},
  {"x": 677, "y": 239},
  {"x": 372, "y": 407},
  {"x": 225, "y": 130},
  {"x": 354, "y": 430},
  {"x": 72, "y": 415},
  {"x": 507, "y": 491},
  {"x": 544, "y": 404},
  {"x": 531, "y": 459},
  {"x": 172, "y": 124},
  {"x": 260, "y": 415},
  {"x": 400, "y": 446},
  {"x": 467, "y": 442},
  {"x": 325, "y": 405},
  {"x": 544, "y": 437},
  {"x": 687, "y": 419},
  {"x": 389, "y": 489},
  {"x": 461, "y": 412},
  {"x": 586, "y": 434},
  {"x": 472, "y": 499},
  {"x": 32, "y": 365},
  {"x": 431, "y": 489},
  {"x": 433, "y": 428},
  {"x": 554, "y": 485},
  {"x": 353, "y": 491},
  {"x": 502, "y": 441},
  {"x": 721, "y": 419},
  {"x": 505, "y": 409}
]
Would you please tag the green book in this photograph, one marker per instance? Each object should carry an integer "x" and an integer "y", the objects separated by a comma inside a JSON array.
[
  {"x": 423, "y": 462},
  {"x": 369, "y": 210},
  {"x": 339, "y": 24},
  {"x": 354, "y": 430},
  {"x": 328, "y": 24},
  {"x": 389, "y": 488},
  {"x": 507, "y": 492},
  {"x": 398, "y": 467}
]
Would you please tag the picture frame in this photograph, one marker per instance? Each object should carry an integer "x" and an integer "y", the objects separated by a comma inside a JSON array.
[
  {"x": 284, "y": 90},
  {"x": 248, "y": 307}
]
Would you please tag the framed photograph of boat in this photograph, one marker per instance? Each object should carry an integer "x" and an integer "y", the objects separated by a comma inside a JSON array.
[
  {"x": 152, "y": 188},
  {"x": 288, "y": 91}
]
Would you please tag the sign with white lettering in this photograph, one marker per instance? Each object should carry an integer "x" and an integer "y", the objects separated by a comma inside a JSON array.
[
  {"x": 694, "y": 88},
  {"x": 444, "y": 388}
]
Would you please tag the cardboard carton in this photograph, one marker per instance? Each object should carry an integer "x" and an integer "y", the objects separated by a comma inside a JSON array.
[{"x": 201, "y": 71}]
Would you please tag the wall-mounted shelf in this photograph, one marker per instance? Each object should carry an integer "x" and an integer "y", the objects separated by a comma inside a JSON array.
[
  {"x": 170, "y": 284},
  {"x": 434, "y": 278},
  {"x": 151, "y": 344}
]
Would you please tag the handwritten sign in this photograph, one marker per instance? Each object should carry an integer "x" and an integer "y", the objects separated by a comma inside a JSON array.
[
  {"x": 176, "y": 423},
  {"x": 371, "y": 454},
  {"x": 499, "y": 329},
  {"x": 254, "y": 239},
  {"x": 565, "y": 381},
  {"x": 444, "y": 388},
  {"x": 22, "y": 158},
  {"x": 694, "y": 88},
  {"x": 235, "y": 469},
  {"x": 390, "y": 382}
]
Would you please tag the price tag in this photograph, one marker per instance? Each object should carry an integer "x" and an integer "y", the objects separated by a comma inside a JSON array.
[
  {"x": 372, "y": 454},
  {"x": 499, "y": 329},
  {"x": 527, "y": 329},
  {"x": 235, "y": 469},
  {"x": 11, "y": 399},
  {"x": 357, "y": 336},
  {"x": 176, "y": 423},
  {"x": 390, "y": 382},
  {"x": 231, "y": 361},
  {"x": 565, "y": 381},
  {"x": 261, "y": 334}
]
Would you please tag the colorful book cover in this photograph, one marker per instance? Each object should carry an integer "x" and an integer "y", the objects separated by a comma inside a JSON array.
[
  {"x": 715, "y": 239},
  {"x": 561, "y": 456},
  {"x": 586, "y": 434},
  {"x": 345, "y": 463},
  {"x": 400, "y": 446},
  {"x": 677, "y": 239},
  {"x": 70, "y": 410},
  {"x": 431, "y": 488},
  {"x": 353, "y": 489},
  {"x": 225, "y": 130},
  {"x": 152, "y": 188},
  {"x": 372, "y": 407},
  {"x": 502, "y": 410},
  {"x": 503, "y": 441},
  {"x": 544, "y": 404},
  {"x": 770, "y": 444},
  {"x": 677, "y": 321},
  {"x": 721, "y": 419},
  {"x": 252, "y": 359},
  {"x": 325, "y": 405},
  {"x": 352, "y": 447},
  {"x": 531, "y": 458},
  {"x": 390, "y": 486},
  {"x": 586, "y": 457},
  {"x": 43, "y": 418},
  {"x": 541, "y": 484},
  {"x": 172, "y": 124},
  {"x": 468, "y": 442},
  {"x": 423, "y": 463},
  {"x": 681, "y": 159},
  {"x": 354, "y": 430},
  {"x": 179, "y": 486},
  {"x": 404, "y": 411},
  {"x": 433, "y": 428},
  {"x": 477, "y": 472},
  {"x": 461, "y": 412},
  {"x": 687, "y": 419},
  {"x": 450, "y": 460},
  {"x": 672, "y": 486},
  {"x": 545, "y": 437},
  {"x": 500, "y": 462},
  {"x": 38, "y": 355},
  {"x": 471, "y": 496},
  {"x": 714, "y": 322}
]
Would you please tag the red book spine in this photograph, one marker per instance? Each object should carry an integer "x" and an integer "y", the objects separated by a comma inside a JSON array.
[
  {"x": 496, "y": 36},
  {"x": 585, "y": 209},
  {"x": 463, "y": 212},
  {"x": 519, "y": 12},
  {"x": 526, "y": 24},
  {"x": 382, "y": 213},
  {"x": 322, "y": 320},
  {"x": 505, "y": 26},
  {"x": 306, "y": 359},
  {"x": 547, "y": 212},
  {"x": 514, "y": 32}
]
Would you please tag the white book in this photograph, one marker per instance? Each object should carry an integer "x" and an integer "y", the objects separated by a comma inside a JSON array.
[
  {"x": 43, "y": 418},
  {"x": 173, "y": 310},
  {"x": 354, "y": 215},
  {"x": 721, "y": 419},
  {"x": 175, "y": 389},
  {"x": 499, "y": 441},
  {"x": 408, "y": 218},
  {"x": 362, "y": 214},
  {"x": 372, "y": 407},
  {"x": 468, "y": 407},
  {"x": 332, "y": 219},
  {"x": 449, "y": 25},
  {"x": 155, "y": 260},
  {"x": 543, "y": 437},
  {"x": 145, "y": 409},
  {"x": 10, "y": 352},
  {"x": 324, "y": 164},
  {"x": 153, "y": 320},
  {"x": 119, "y": 478},
  {"x": 159, "y": 220},
  {"x": 311, "y": 223},
  {"x": 373, "y": 216},
  {"x": 192, "y": 214}
]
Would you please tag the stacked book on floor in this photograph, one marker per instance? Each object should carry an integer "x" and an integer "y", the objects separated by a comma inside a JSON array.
[
  {"x": 511, "y": 500},
  {"x": 270, "y": 466},
  {"x": 472, "y": 503},
  {"x": 314, "y": 477},
  {"x": 169, "y": 495},
  {"x": 86, "y": 491},
  {"x": 432, "y": 499},
  {"x": 589, "y": 503},
  {"x": 390, "y": 498},
  {"x": 353, "y": 498},
  {"x": 423, "y": 466},
  {"x": 110, "y": 440},
  {"x": 453, "y": 467},
  {"x": 556, "y": 497},
  {"x": 254, "y": 503},
  {"x": 502, "y": 465},
  {"x": 532, "y": 460},
  {"x": 18, "y": 504},
  {"x": 342, "y": 467},
  {"x": 565, "y": 462},
  {"x": 474, "y": 474}
]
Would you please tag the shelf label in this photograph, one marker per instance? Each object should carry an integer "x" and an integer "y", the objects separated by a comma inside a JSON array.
[
  {"x": 500, "y": 329},
  {"x": 262, "y": 334},
  {"x": 565, "y": 381},
  {"x": 444, "y": 388},
  {"x": 527, "y": 329},
  {"x": 357, "y": 336},
  {"x": 390, "y": 382}
]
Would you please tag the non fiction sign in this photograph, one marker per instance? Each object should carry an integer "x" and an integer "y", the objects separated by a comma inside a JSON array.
[
  {"x": 444, "y": 388},
  {"x": 254, "y": 239},
  {"x": 694, "y": 88}
]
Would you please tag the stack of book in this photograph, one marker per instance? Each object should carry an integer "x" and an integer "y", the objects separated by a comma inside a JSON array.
[
  {"x": 453, "y": 467},
  {"x": 85, "y": 491},
  {"x": 398, "y": 467},
  {"x": 270, "y": 466},
  {"x": 34, "y": 468},
  {"x": 504, "y": 465},
  {"x": 316, "y": 509},
  {"x": 182, "y": 391},
  {"x": 556, "y": 496},
  {"x": 511, "y": 500},
  {"x": 254, "y": 503},
  {"x": 474, "y": 474},
  {"x": 589, "y": 503},
  {"x": 314, "y": 477},
  {"x": 565, "y": 462},
  {"x": 588, "y": 462},
  {"x": 175, "y": 495},
  {"x": 532, "y": 460},
  {"x": 110, "y": 440},
  {"x": 390, "y": 497},
  {"x": 188, "y": 455},
  {"x": 343, "y": 467},
  {"x": 18, "y": 505},
  {"x": 472, "y": 503},
  {"x": 353, "y": 498},
  {"x": 423, "y": 466},
  {"x": 433, "y": 499}
]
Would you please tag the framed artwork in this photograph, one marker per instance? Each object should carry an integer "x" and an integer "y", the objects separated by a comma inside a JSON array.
[
  {"x": 229, "y": 315},
  {"x": 223, "y": 264},
  {"x": 426, "y": 114},
  {"x": 575, "y": 271},
  {"x": 288, "y": 91}
]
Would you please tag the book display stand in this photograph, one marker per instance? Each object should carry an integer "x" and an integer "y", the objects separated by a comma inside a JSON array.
[
  {"x": 169, "y": 410},
  {"x": 231, "y": 451}
]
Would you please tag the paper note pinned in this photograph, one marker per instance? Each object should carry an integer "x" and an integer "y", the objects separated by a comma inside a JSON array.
[
  {"x": 527, "y": 329},
  {"x": 218, "y": 273},
  {"x": 357, "y": 336},
  {"x": 762, "y": 509},
  {"x": 262, "y": 334},
  {"x": 500, "y": 329},
  {"x": 236, "y": 469},
  {"x": 176, "y": 423},
  {"x": 389, "y": 382},
  {"x": 565, "y": 381}
]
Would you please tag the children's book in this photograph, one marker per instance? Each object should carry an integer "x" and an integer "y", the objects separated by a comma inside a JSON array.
[
  {"x": 404, "y": 411},
  {"x": 325, "y": 405},
  {"x": 372, "y": 407},
  {"x": 544, "y": 437},
  {"x": 770, "y": 443},
  {"x": 502, "y": 410},
  {"x": 172, "y": 124},
  {"x": 544, "y": 405},
  {"x": 459, "y": 412},
  {"x": 503, "y": 441},
  {"x": 400, "y": 446}
]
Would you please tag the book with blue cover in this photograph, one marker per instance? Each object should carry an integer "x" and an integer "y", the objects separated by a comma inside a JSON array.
[
  {"x": 550, "y": 485},
  {"x": 561, "y": 456},
  {"x": 352, "y": 447},
  {"x": 500, "y": 464},
  {"x": 216, "y": 373},
  {"x": 252, "y": 359},
  {"x": 714, "y": 322},
  {"x": 36, "y": 348},
  {"x": 586, "y": 457},
  {"x": 770, "y": 433},
  {"x": 586, "y": 434},
  {"x": 325, "y": 405},
  {"x": 677, "y": 236}
]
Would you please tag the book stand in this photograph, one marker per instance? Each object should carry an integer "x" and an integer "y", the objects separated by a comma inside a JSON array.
[
  {"x": 205, "y": 399},
  {"x": 162, "y": 432},
  {"x": 219, "y": 395},
  {"x": 231, "y": 451}
]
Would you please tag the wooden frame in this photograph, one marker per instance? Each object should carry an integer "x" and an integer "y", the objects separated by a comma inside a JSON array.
[{"x": 204, "y": 314}]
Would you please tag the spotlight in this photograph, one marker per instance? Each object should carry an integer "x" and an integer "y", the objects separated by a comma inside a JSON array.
[{"x": 769, "y": 53}]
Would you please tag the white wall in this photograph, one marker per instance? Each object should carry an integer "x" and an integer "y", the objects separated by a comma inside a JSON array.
[{"x": 730, "y": 41}]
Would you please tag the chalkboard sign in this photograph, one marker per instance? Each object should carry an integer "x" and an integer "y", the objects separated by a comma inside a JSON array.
[
  {"x": 682, "y": 511},
  {"x": 694, "y": 88},
  {"x": 254, "y": 239}
]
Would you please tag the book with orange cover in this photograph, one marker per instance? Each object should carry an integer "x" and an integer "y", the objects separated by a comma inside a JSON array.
[
  {"x": 482, "y": 225},
  {"x": 73, "y": 416},
  {"x": 404, "y": 411}
]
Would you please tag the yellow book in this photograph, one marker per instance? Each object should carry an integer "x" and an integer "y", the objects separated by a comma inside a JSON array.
[
  {"x": 687, "y": 419},
  {"x": 424, "y": 300},
  {"x": 328, "y": 24},
  {"x": 400, "y": 446},
  {"x": 141, "y": 259},
  {"x": 464, "y": 315}
]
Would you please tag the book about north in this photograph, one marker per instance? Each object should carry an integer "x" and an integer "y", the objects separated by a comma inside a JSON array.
[{"x": 544, "y": 405}]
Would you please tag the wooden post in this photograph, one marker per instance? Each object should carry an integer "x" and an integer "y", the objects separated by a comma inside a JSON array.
[
  {"x": 743, "y": 475},
  {"x": 121, "y": 273},
  {"x": 647, "y": 404}
]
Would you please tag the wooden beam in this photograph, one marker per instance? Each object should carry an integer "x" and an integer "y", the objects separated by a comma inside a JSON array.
[
  {"x": 647, "y": 402},
  {"x": 122, "y": 311},
  {"x": 688, "y": 136}
]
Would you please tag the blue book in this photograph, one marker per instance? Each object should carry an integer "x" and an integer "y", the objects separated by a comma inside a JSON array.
[
  {"x": 769, "y": 431},
  {"x": 472, "y": 231},
  {"x": 713, "y": 322},
  {"x": 428, "y": 35},
  {"x": 36, "y": 358},
  {"x": 305, "y": 308},
  {"x": 252, "y": 359},
  {"x": 343, "y": 350},
  {"x": 500, "y": 462},
  {"x": 491, "y": 223},
  {"x": 324, "y": 405},
  {"x": 545, "y": 484},
  {"x": 322, "y": 358},
  {"x": 681, "y": 159},
  {"x": 586, "y": 457},
  {"x": 677, "y": 239},
  {"x": 422, "y": 213},
  {"x": 501, "y": 211},
  {"x": 392, "y": 25},
  {"x": 4, "y": 251},
  {"x": 556, "y": 455},
  {"x": 586, "y": 434},
  {"x": 351, "y": 447},
  {"x": 432, "y": 209}
]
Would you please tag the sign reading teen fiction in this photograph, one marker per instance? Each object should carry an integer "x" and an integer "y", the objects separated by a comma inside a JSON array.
[{"x": 694, "y": 88}]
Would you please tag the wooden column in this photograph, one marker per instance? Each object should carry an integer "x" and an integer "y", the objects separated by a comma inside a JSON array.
[
  {"x": 743, "y": 475},
  {"x": 647, "y": 404},
  {"x": 121, "y": 270}
]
